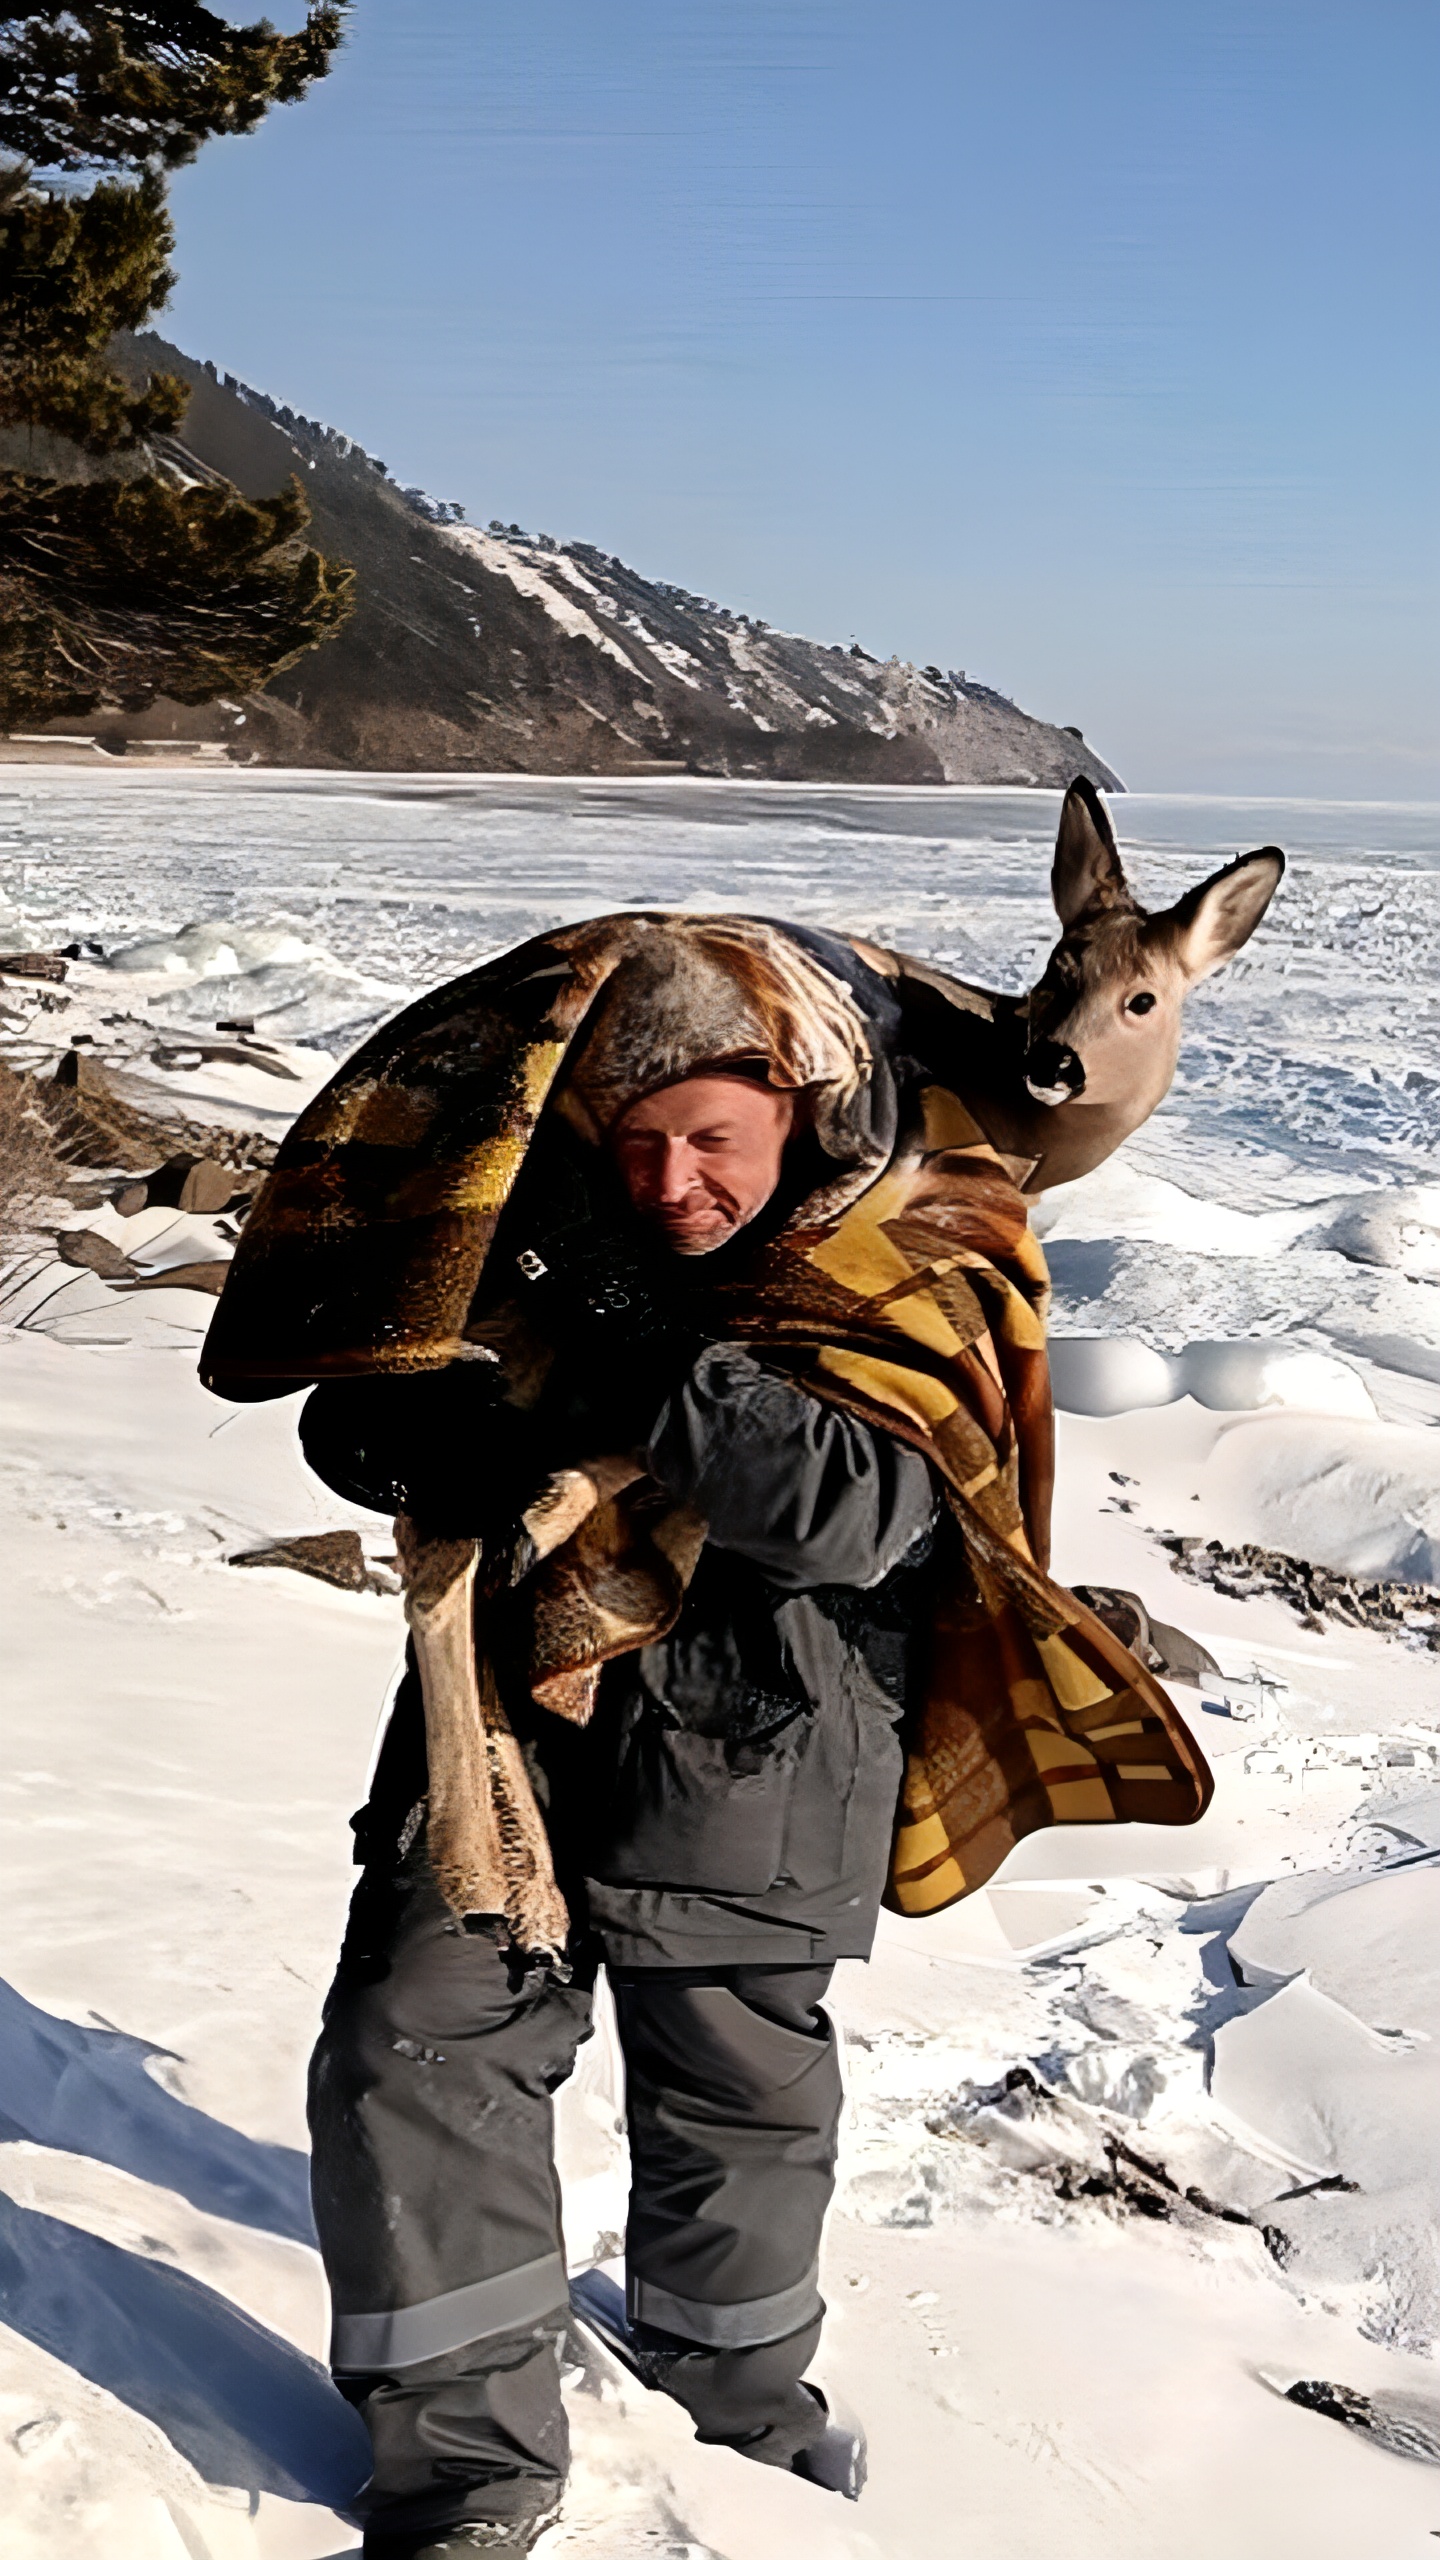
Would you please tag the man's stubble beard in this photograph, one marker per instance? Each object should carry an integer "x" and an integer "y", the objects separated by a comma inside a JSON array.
[{"x": 690, "y": 1245}]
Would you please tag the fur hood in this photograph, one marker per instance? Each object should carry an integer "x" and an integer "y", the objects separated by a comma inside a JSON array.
[{"x": 736, "y": 995}]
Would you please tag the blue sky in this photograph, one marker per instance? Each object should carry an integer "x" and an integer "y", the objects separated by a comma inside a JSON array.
[{"x": 1089, "y": 345}]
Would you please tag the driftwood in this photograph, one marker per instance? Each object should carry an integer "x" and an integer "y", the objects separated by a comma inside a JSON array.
[{"x": 206, "y": 1276}]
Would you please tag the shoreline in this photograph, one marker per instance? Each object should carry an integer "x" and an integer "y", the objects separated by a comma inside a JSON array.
[{"x": 343, "y": 779}]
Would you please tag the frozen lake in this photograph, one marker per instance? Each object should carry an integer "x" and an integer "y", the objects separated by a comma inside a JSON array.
[
  {"x": 1322, "y": 1043},
  {"x": 1019, "y": 2303}
]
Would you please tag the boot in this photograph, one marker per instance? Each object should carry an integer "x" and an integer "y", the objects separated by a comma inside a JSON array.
[
  {"x": 836, "y": 2461},
  {"x": 839, "y": 2461},
  {"x": 509, "y": 2538}
]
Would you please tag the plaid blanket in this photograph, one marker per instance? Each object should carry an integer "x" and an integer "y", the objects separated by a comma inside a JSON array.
[{"x": 908, "y": 1288}]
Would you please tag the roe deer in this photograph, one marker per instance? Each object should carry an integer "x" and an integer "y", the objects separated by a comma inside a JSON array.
[{"x": 1057, "y": 1078}]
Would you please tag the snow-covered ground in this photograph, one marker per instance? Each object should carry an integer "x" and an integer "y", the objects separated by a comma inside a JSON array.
[{"x": 1137, "y": 2137}]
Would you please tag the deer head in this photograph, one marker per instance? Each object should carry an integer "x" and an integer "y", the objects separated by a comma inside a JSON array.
[{"x": 1103, "y": 1022}]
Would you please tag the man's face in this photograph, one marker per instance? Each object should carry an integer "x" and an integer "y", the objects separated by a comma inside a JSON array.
[{"x": 701, "y": 1159}]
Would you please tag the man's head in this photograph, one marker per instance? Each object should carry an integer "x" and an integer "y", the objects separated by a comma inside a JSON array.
[{"x": 701, "y": 1157}]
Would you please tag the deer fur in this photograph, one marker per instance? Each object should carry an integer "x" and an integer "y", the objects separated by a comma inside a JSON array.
[
  {"x": 484, "y": 1830},
  {"x": 1060, "y": 1077}
]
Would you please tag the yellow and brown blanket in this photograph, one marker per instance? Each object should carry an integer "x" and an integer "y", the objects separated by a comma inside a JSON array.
[{"x": 908, "y": 1288}]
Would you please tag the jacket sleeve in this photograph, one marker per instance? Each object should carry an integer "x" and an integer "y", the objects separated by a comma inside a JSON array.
[
  {"x": 806, "y": 1492},
  {"x": 438, "y": 1446}
]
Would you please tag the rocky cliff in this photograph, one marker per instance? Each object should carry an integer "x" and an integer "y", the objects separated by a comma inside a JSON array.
[{"x": 499, "y": 650}]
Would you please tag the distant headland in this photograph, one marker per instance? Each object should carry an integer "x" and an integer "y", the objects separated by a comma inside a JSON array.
[{"x": 496, "y": 650}]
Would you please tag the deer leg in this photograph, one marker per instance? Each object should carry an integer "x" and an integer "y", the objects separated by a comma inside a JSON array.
[
  {"x": 535, "y": 1909},
  {"x": 486, "y": 1839},
  {"x": 462, "y": 1831}
]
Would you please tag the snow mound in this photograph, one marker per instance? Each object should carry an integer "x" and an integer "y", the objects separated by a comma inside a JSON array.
[
  {"x": 1329, "y": 2095},
  {"x": 1338, "y": 2072},
  {"x": 1370, "y": 1941},
  {"x": 1104, "y": 1374},
  {"x": 1362, "y": 1497},
  {"x": 1240, "y": 1377},
  {"x": 1398, "y": 1230},
  {"x": 1117, "y": 1200},
  {"x": 79, "y": 1308},
  {"x": 214, "y": 951}
]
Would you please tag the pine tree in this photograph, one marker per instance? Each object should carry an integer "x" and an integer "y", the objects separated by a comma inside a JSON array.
[
  {"x": 114, "y": 591},
  {"x": 141, "y": 87},
  {"x": 73, "y": 270}
]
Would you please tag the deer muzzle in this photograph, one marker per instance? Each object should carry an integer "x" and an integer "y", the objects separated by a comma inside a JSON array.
[{"x": 1053, "y": 1073}]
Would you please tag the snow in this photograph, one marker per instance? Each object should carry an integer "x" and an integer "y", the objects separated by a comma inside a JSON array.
[
  {"x": 1249, "y": 1347},
  {"x": 1361, "y": 1497},
  {"x": 503, "y": 561},
  {"x": 212, "y": 951}
]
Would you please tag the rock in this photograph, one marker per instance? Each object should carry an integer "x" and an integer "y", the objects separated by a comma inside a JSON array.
[
  {"x": 91, "y": 1125},
  {"x": 333, "y": 1555},
  {"x": 164, "y": 1187},
  {"x": 207, "y": 1188},
  {"x": 1076, "y": 2149},
  {"x": 76, "y": 1069},
  {"x": 184, "y": 1055},
  {"x": 199, "y": 1184},
  {"x": 1167, "y": 1650},
  {"x": 91, "y": 1252},
  {"x": 33, "y": 964},
  {"x": 1407, "y": 1609},
  {"x": 1400, "y": 2421}
]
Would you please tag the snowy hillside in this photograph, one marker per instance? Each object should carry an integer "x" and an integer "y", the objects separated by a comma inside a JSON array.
[{"x": 511, "y": 652}]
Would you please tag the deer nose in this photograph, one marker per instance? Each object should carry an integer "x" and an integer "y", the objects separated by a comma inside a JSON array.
[{"x": 1052, "y": 1073}]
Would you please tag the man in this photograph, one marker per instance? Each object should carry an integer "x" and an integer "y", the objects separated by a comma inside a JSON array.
[{"x": 720, "y": 1828}]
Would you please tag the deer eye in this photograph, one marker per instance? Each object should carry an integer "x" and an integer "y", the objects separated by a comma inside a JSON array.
[{"x": 1144, "y": 1002}]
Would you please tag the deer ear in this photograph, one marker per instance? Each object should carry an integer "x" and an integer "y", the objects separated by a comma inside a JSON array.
[
  {"x": 1086, "y": 872},
  {"x": 1211, "y": 923}
]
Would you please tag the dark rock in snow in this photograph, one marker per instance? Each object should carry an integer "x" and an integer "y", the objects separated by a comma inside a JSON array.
[
  {"x": 333, "y": 1555},
  {"x": 1409, "y": 1610},
  {"x": 91, "y": 1252},
  {"x": 1400, "y": 2421},
  {"x": 1167, "y": 1650}
]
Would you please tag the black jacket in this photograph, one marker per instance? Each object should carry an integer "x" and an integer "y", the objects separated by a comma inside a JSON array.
[
  {"x": 733, "y": 1798},
  {"x": 753, "y": 1756}
]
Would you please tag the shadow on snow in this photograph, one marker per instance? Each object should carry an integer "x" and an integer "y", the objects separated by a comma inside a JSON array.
[
  {"x": 241, "y": 2404},
  {"x": 247, "y": 2409},
  {"x": 86, "y": 2089}
]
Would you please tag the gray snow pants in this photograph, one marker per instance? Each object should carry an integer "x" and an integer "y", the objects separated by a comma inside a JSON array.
[{"x": 439, "y": 2211}]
